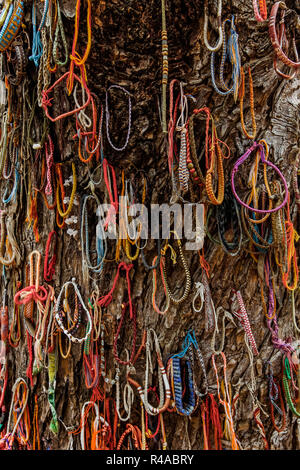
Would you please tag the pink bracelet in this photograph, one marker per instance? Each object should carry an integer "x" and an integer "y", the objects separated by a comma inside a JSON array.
[{"x": 267, "y": 162}]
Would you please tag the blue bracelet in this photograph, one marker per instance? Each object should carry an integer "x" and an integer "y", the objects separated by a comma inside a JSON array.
[
  {"x": 177, "y": 378},
  {"x": 11, "y": 25}
]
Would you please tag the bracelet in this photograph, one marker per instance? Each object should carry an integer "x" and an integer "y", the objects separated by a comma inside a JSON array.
[
  {"x": 11, "y": 25},
  {"x": 260, "y": 12},
  {"x": 252, "y": 108},
  {"x": 118, "y": 149},
  {"x": 189, "y": 407},
  {"x": 19, "y": 61},
  {"x": 59, "y": 27},
  {"x": 282, "y": 37},
  {"x": 4, "y": 12},
  {"x": 191, "y": 159},
  {"x": 59, "y": 321},
  {"x": 228, "y": 214},
  {"x": 273, "y": 34},
  {"x": 215, "y": 149},
  {"x": 47, "y": 102},
  {"x": 199, "y": 293},
  {"x": 220, "y": 40},
  {"x": 49, "y": 266},
  {"x": 115, "y": 351},
  {"x": 165, "y": 66},
  {"x": 242, "y": 316},
  {"x": 165, "y": 392},
  {"x": 295, "y": 178},
  {"x": 266, "y": 162},
  {"x": 146, "y": 265},
  {"x": 234, "y": 57}
]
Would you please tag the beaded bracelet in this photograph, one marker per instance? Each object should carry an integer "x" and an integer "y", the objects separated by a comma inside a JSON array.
[
  {"x": 58, "y": 319},
  {"x": 273, "y": 34},
  {"x": 266, "y": 162},
  {"x": 118, "y": 149},
  {"x": 49, "y": 150}
]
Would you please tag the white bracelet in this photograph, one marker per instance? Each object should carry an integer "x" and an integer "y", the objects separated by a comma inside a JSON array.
[{"x": 60, "y": 323}]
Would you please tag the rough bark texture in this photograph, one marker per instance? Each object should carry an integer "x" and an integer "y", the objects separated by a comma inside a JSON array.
[{"x": 126, "y": 50}]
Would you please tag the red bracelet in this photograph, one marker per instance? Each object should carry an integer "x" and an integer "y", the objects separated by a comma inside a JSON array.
[
  {"x": 46, "y": 101},
  {"x": 115, "y": 351},
  {"x": 49, "y": 268}
]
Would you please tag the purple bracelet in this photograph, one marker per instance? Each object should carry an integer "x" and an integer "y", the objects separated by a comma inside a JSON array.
[{"x": 263, "y": 159}]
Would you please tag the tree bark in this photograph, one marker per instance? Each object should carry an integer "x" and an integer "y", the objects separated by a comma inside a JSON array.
[{"x": 126, "y": 50}]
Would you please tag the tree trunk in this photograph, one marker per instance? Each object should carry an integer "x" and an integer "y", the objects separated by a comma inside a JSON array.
[{"x": 126, "y": 50}]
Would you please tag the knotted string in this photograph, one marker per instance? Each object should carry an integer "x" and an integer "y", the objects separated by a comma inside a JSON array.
[{"x": 105, "y": 300}]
